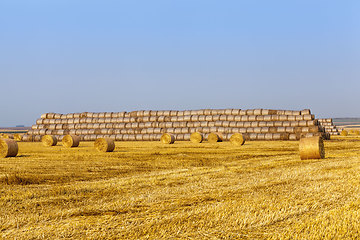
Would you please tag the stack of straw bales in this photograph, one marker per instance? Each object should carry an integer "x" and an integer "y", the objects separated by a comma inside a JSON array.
[
  {"x": 328, "y": 125},
  {"x": 146, "y": 125}
]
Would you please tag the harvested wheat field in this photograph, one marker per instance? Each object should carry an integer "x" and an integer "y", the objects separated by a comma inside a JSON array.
[{"x": 150, "y": 190}]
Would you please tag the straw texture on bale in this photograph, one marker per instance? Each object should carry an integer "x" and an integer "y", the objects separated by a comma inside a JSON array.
[
  {"x": 237, "y": 139},
  {"x": 167, "y": 138},
  {"x": 196, "y": 137},
  {"x": 104, "y": 144},
  {"x": 49, "y": 140},
  {"x": 311, "y": 148},
  {"x": 70, "y": 141},
  {"x": 8, "y": 148}
]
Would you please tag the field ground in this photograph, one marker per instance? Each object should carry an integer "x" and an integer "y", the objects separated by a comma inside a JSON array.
[{"x": 146, "y": 190}]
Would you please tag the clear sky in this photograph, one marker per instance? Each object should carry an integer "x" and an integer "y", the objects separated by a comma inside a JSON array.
[{"x": 76, "y": 55}]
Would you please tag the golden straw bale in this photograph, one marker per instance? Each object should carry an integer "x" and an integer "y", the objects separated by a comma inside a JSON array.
[
  {"x": 357, "y": 132},
  {"x": 70, "y": 141},
  {"x": 196, "y": 137},
  {"x": 167, "y": 138},
  {"x": 18, "y": 137},
  {"x": 8, "y": 148},
  {"x": 49, "y": 140},
  {"x": 104, "y": 144},
  {"x": 4, "y": 135},
  {"x": 214, "y": 137},
  {"x": 351, "y": 131},
  {"x": 311, "y": 148},
  {"x": 344, "y": 133},
  {"x": 237, "y": 139}
]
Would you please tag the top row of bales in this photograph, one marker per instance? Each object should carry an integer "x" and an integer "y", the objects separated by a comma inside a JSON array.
[{"x": 149, "y": 113}]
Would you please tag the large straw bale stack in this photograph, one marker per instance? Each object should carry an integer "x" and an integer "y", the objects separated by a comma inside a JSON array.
[
  {"x": 237, "y": 139},
  {"x": 49, "y": 140},
  {"x": 311, "y": 148},
  {"x": 8, "y": 148},
  {"x": 70, "y": 141},
  {"x": 104, "y": 144},
  {"x": 196, "y": 137},
  {"x": 167, "y": 138}
]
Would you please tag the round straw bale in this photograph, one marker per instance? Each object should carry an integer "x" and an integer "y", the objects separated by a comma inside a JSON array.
[
  {"x": 214, "y": 137},
  {"x": 71, "y": 141},
  {"x": 311, "y": 148},
  {"x": 49, "y": 140},
  {"x": 250, "y": 112},
  {"x": 3, "y": 135},
  {"x": 104, "y": 144},
  {"x": 356, "y": 132},
  {"x": 18, "y": 137},
  {"x": 8, "y": 148},
  {"x": 27, "y": 138},
  {"x": 305, "y": 112},
  {"x": 258, "y": 111},
  {"x": 344, "y": 133},
  {"x": 196, "y": 137},
  {"x": 167, "y": 138},
  {"x": 237, "y": 139}
]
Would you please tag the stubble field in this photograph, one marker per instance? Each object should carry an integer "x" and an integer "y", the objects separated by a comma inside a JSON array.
[{"x": 147, "y": 190}]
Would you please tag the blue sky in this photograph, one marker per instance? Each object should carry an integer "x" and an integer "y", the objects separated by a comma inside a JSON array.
[{"x": 74, "y": 56}]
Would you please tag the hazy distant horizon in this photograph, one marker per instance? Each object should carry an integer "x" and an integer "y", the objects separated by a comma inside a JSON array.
[{"x": 76, "y": 56}]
